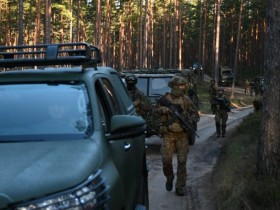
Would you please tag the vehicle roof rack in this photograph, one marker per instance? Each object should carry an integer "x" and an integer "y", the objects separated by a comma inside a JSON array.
[{"x": 49, "y": 54}]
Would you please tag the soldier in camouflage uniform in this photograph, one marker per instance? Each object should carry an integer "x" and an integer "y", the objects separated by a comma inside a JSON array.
[
  {"x": 222, "y": 107},
  {"x": 246, "y": 87},
  {"x": 175, "y": 135},
  {"x": 212, "y": 93},
  {"x": 141, "y": 103}
]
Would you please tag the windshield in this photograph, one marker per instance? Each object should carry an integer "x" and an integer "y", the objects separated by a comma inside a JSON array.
[
  {"x": 38, "y": 112},
  {"x": 159, "y": 86},
  {"x": 154, "y": 87},
  {"x": 227, "y": 72}
]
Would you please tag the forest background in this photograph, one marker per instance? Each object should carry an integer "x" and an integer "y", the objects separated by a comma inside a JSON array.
[{"x": 149, "y": 34}]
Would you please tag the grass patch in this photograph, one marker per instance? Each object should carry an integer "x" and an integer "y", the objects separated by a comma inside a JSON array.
[{"x": 234, "y": 180}]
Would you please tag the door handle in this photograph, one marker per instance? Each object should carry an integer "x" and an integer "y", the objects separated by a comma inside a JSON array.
[{"x": 127, "y": 146}]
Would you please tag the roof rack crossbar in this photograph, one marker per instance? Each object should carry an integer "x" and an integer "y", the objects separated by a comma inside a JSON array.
[{"x": 49, "y": 54}]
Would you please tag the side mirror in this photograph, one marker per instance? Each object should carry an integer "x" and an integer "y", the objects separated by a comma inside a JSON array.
[{"x": 126, "y": 126}]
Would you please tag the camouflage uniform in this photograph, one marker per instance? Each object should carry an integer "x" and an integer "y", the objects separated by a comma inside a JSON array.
[
  {"x": 142, "y": 104},
  {"x": 192, "y": 93},
  {"x": 175, "y": 135},
  {"x": 246, "y": 87},
  {"x": 222, "y": 107},
  {"x": 212, "y": 94}
]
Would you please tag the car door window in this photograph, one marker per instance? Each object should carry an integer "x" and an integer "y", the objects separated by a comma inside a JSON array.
[
  {"x": 111, "y": 96},
  {"x": 108, "y": 101},
  {"x": 45, "y": 111},
  {"x": 123, "y": 93}
]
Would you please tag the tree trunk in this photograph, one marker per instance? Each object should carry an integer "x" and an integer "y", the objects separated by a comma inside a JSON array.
[
  {"x": 269, "y": 145},
  {"x": 48, "y": 21},
  {"x": 98, "y": 23},
  {"x": 200, "y": 40},
  {"x": 237, "y": 48},
  {"x": 37, "y": 22},
  {"x": 107, "y": 37},
  {"x": 145, "y": 36},
  {"x": 180, "y": 36},
  {"x": 78, "y": 28},
  {"x": 140, "y": 46},
  {"x": 217, "y": 42},
  {"x": 171, "y": 37},
  {"x": 163, "y": 57},
  {"x": 121, "y": 38},
  {"x": 204, "y": 35},
  {"x": 20, "y": 28},
  {"x": 214, "y": 40}
]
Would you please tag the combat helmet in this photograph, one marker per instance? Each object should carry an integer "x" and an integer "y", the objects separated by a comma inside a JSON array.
[
  {"x": 131, "y": 78},
  {"x": 176, "y": 80}
]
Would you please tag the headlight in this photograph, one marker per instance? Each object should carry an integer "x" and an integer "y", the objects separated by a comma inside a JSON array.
[{"x": 92, "y": 194}]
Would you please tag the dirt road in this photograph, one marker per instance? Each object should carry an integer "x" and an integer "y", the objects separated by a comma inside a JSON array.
[{"x": 202, "y": 158}]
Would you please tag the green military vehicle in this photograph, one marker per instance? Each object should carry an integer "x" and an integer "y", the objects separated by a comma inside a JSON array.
[
  {"x": 69, "y": 134},
  {"x": 225, "y": 76}
]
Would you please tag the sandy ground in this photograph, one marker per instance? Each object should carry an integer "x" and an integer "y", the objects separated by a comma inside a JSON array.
[{"x": 202, "y": 158}]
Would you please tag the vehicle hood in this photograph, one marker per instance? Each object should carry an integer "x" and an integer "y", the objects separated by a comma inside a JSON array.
[{"x": 34, "y": 169}]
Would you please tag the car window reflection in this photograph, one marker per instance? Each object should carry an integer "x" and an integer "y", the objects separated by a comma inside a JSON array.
[{"x": 44, "y": 109}]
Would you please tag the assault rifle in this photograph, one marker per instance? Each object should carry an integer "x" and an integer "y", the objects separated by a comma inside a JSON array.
[{"x": 176, "y": 111}]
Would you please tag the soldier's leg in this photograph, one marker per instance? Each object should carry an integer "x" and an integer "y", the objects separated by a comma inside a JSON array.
[
  {"x": 224, "y": 123},
  {"x": 218, "y": 123},
  {"x": 182, "y": 148},
  {"x": 167, "y": 150}
]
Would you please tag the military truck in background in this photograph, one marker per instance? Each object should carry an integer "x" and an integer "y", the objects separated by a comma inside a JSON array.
[{"x": 225, "y": 76}]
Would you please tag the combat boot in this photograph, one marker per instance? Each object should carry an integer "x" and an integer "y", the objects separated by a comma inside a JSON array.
[
  {"x": 169, "y": 185},
  {"x": 180, "y": 191}
]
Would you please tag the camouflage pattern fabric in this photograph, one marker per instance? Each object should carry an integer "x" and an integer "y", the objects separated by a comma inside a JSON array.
[
  {"x": 222, "y": 107},
  {"x": 212, "y": 94},
  {"x": 175, "y": 137},
  {"x": 246, "y": 87},
  {"x": 145, "y": 109},
  {"x": 140, "y": 101},
  {"x": 212, "y": 90},
  {"x": 221, "y": 118},
  {"x": 175, "y": 142}
]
